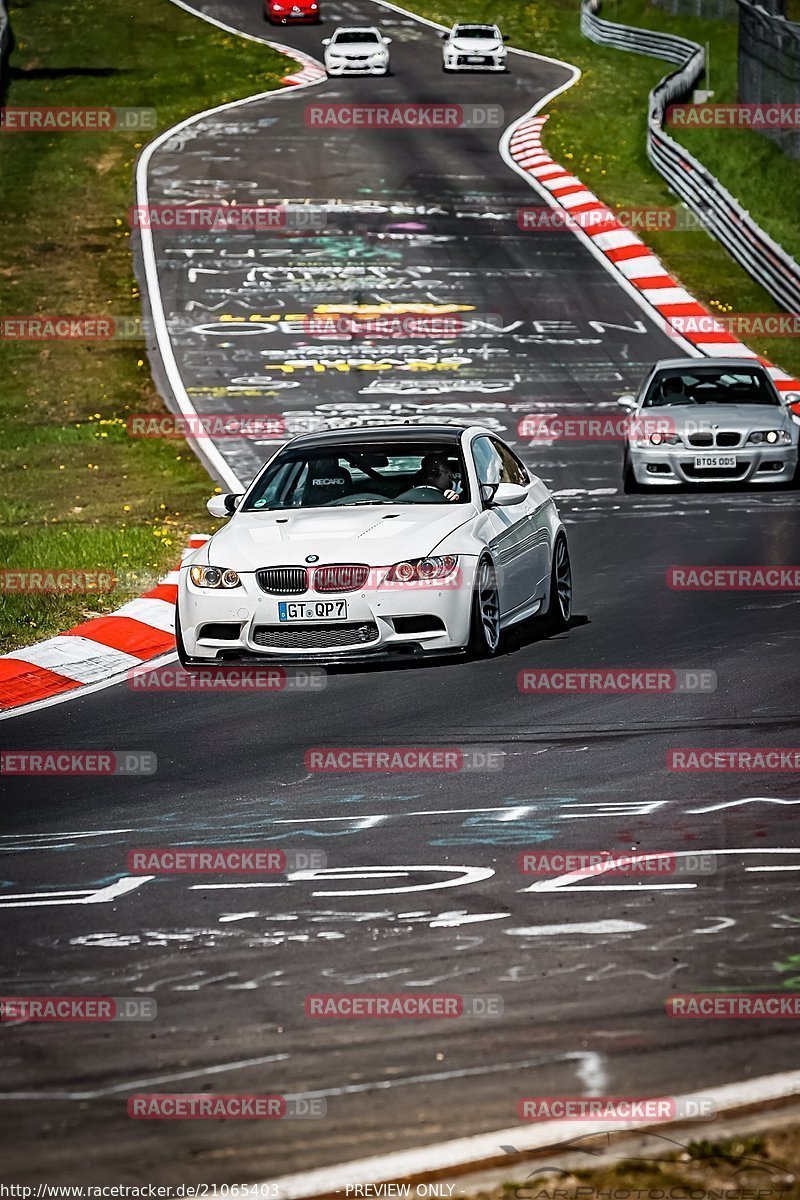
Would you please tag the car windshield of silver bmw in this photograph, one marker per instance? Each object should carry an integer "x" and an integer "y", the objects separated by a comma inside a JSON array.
[
  {"x": 374, "y": 473},
  {"x": 710, "y": 385}
]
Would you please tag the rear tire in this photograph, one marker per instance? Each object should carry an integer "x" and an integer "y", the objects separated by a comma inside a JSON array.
[
  {"x": 484, "y": 636},
  {"x": 559, "y": 606}
]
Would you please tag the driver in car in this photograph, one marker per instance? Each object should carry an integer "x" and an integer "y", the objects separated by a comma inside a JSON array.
[{"x": 436, "y": 472}]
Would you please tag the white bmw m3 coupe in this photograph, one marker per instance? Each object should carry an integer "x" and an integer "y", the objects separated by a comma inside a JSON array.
[{"x": 362, "y": 544}]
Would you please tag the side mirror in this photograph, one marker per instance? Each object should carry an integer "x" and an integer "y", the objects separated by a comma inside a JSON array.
[
  {"x": 444, "y": 34},
  {"x": 224, "y": 505},
  {"x": 326, "y": 41},
  {"x": 503, "y": 495},
  {"x": 387, "y": 41},
  {"x": 504, "y": 37},
  {"x": 627, "y": 401}
]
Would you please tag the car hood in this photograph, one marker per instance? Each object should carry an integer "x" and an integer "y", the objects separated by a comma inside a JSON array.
[
  {"x": 476, "y": 45},
  {"x": 376, "y": 536},
  {"x": 742, "y": 418},
  {"x": 355, "y": 48}
]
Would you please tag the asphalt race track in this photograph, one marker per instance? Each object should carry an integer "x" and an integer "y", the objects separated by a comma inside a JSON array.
[{"x": 422, "y": 891}]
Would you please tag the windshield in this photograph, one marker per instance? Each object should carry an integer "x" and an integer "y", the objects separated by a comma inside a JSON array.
[
  {"x": 354, "y": 36},
  {"x": 710, "y": 385},
  {"x": 375, "y": 474},
  {"x": 475, "y": 31}
]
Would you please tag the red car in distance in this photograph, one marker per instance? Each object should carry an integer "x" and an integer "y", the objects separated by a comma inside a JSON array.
[{"x": 285, "y": 12}]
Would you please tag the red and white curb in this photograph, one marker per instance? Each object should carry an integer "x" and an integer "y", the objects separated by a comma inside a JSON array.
[
  {"x": 311, "y": 71},
  {"x": 627, "y": 254},
  {"x": 96, "y": 650}
]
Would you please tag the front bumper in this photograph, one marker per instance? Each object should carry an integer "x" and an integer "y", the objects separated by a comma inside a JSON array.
[
  {"x": 357, "y": 68},
  {"x": 665, "y": 466},
  {"x": 458, "y": 62},
  {"x": 381, "y": 621}
]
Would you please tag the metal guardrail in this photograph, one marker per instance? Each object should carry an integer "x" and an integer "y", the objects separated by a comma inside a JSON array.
[{"x": 746, "y": 242}]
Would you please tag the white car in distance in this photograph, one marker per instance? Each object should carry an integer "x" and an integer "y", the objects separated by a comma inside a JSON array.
[
  {"x": 356, "y": 50},
  {"x": 470, "y": 47}
]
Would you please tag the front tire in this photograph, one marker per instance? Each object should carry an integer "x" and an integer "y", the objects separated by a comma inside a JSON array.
[
  {"x": 559, "y": 606},
  {"x": 484, "y": 637},
  {"x": 630, "y": 486}
]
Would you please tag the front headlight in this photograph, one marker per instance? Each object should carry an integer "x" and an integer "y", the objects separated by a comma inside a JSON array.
[
  {"x": 423, "y": 570},
  {"x": 214, "y": 577},
  {"x": 665, "y": 439},
  {"x": 773, "y": 437}
]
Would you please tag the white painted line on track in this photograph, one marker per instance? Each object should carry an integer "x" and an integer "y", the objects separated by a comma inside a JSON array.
[
  {"x": 135, "y": 1085},
  {"x": 212, "y": 455},
  {"x": 472, "y": 1153}
]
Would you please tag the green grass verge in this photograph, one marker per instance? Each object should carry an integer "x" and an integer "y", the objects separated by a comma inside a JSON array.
[
  {"x": 77, "y": 492},
  {"x": 597, "y": 128}
]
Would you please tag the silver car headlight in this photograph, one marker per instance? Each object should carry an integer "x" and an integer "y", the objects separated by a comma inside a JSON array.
[
  {"x": 214, "y": 577},
  {"x": 773, "y": 437},
  {"x": 665, "y": 439}
]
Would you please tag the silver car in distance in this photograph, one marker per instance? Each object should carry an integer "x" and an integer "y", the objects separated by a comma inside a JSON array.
[
  {"x": 368, "y": 543},
  {"x": 709, "y": 421}
]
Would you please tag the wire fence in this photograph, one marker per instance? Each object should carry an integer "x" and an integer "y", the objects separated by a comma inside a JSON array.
[
  {"x": 769, "y": 66},
  {"x": 761, "y": 256},
  {"x": 4, "y": 39},
  {"x": 710, "y": 10}
]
